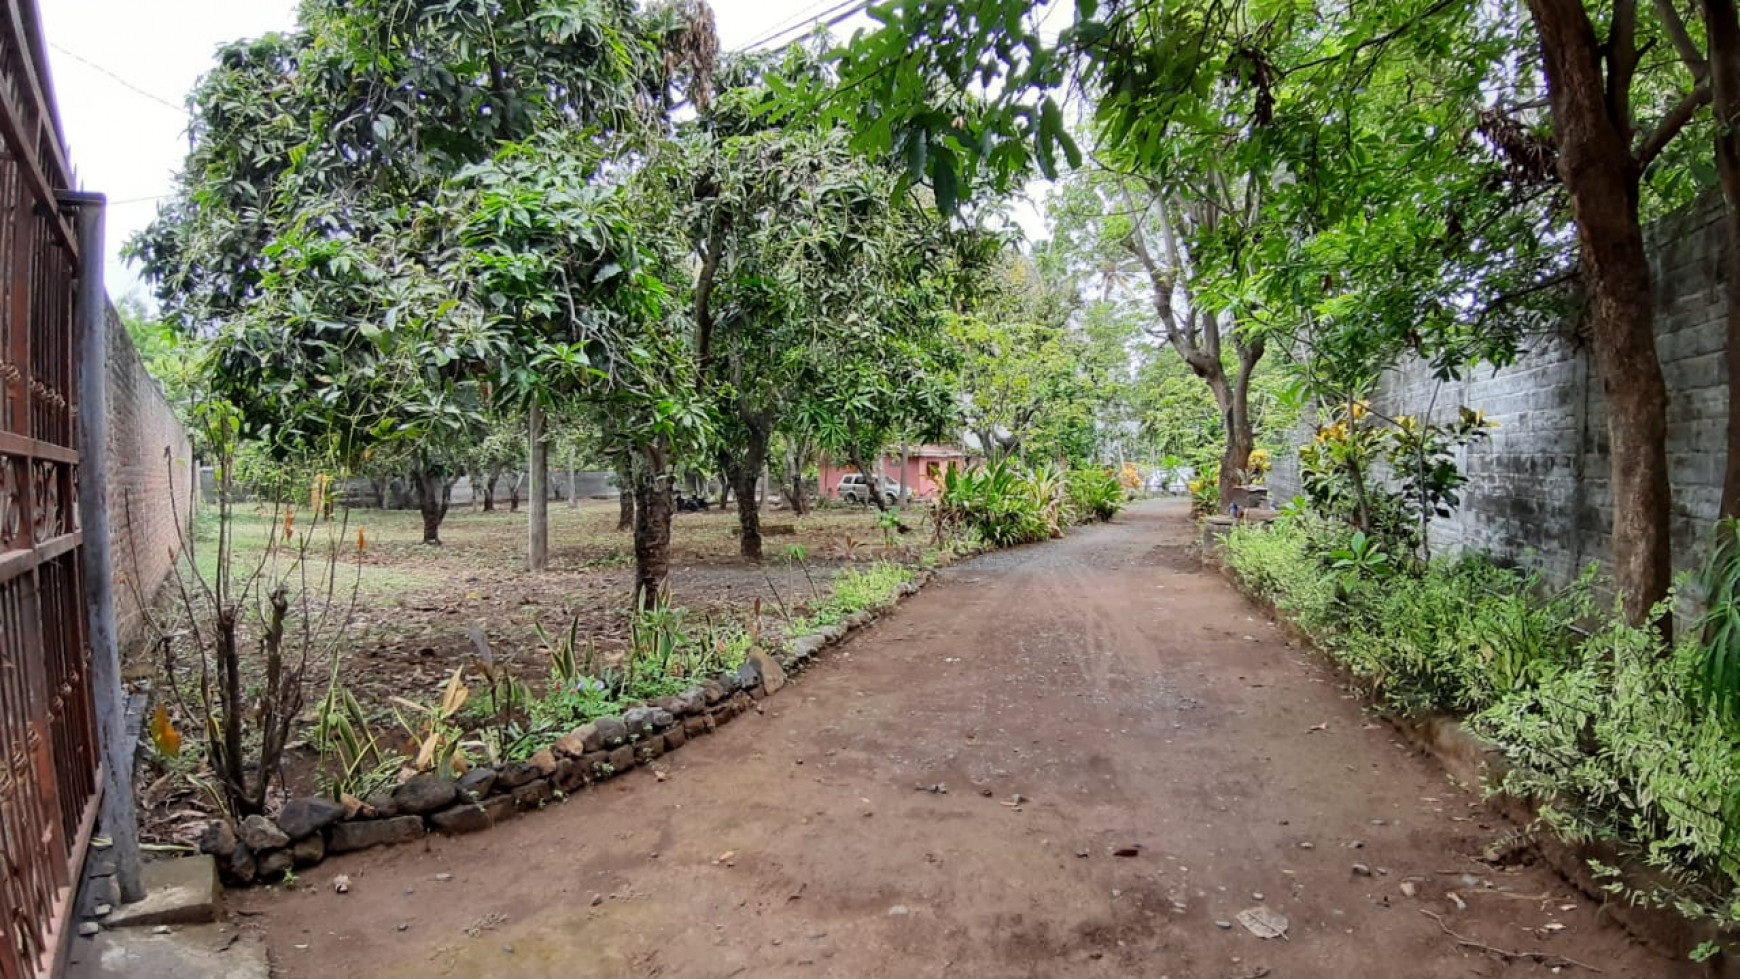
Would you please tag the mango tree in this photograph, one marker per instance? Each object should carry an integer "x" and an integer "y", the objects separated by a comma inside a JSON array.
[
  {"x": 790, "y": 233},
  {"x": 309, "y": 237},
  {"x": 1416, "y": 207}
]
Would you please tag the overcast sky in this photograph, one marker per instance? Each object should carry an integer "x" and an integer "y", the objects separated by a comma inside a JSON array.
[{"x": 122, "y": 68}]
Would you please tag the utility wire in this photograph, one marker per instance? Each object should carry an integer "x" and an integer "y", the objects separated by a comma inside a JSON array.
[
  {"x": 782, "y": 26},
  {"x": 828, "y": 18},
  {"x": 124, "y": 83}
]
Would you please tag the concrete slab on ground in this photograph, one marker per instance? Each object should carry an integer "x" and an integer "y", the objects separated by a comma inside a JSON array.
[
  {"x": 184, "y": 891},
  {"x": 192, "y": 952}
]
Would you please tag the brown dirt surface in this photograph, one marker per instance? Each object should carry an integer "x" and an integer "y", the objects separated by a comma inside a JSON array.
[
  {"x": 1097, "y": 695},
  {"x": 413, "y": 603},
  {"x": 411, "y": 606},
  {"x": 406, "y": 640}
]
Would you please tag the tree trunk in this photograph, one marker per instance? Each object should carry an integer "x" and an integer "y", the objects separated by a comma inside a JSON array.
[
  {"x": 231, "y": 711},
  {"x": 652, "y": 527},
  {"x": 792, "y": 486},
  {"x": 741, "y": 474},
  {"x": 431, "y": 501},
  {"x": 489, "y": 482},
  {"x": 514, "y": 493},
  {"x": 573, "y": 486},
  {"x": 538, "y": 521},
  {"x": 871, "y": 483},
  {"x": 1235, "y": 414},
  {"x": 989, "y": 445},
  {"x": 624, "y": 498},
  {"x": 1722, "y": 26},
  {"x": 1595, "y": 162},
  {"x": 1229, "y": 461}
]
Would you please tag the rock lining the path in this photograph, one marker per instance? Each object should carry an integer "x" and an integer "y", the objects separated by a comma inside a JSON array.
[{"x": 308, "y": 829}]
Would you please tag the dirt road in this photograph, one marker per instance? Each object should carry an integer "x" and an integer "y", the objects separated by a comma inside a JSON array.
[{"x": 1125, "y": 696}]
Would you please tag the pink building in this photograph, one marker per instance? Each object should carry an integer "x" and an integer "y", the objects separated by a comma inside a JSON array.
[{"x": 924, "y": 466}]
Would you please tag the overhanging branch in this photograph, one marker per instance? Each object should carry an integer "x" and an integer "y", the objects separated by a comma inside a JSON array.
[{"x": 1676, "y": 119}]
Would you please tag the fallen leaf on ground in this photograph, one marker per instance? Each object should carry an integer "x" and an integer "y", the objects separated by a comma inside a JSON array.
[{"x": 1264, "y": 922}]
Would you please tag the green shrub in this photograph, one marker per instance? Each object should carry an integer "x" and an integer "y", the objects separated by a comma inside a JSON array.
[
  {"x": 1614, "y": 737},
  {"x": 1718, "y": 679},
  {"x": 855, "y": 590},
  {"x": 1339, "y": 471},
  {"x": 1094, "y": 494},
  {"x": 1003, "y": 505},
  {"x": 668, "y": 652},
  {"x": 1205, "y": 490},
  {"x": 998, "y": 502},
  {"x": 862, "y": 589},
  {"x": 1452, "y": 636},
  {"x": 1280, "y": 564},
  {"x": 1616, "y": 748}
]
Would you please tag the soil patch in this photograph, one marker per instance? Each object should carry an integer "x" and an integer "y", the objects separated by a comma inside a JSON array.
[
  {"x": 948, "y": 794},
  {"x": 416, "y": 605}
]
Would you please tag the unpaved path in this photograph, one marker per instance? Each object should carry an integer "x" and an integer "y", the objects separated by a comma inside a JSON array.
[{"x": 1126, "y": 695}]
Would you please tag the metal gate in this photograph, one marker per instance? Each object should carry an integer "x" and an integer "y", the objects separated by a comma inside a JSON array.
[{"x": 48, "y": 744}]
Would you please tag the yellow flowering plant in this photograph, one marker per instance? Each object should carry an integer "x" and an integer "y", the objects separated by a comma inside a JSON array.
[{"x": 1342, "y": 470}]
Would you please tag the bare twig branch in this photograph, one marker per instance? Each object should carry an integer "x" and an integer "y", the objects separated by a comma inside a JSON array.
[{"x": 1544, "y": 958}]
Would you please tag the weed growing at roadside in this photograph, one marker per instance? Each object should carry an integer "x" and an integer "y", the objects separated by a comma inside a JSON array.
[{"x": 1613, "y": 735}]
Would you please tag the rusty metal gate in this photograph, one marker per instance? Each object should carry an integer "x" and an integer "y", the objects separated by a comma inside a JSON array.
[{"x": 48, "y": 745}]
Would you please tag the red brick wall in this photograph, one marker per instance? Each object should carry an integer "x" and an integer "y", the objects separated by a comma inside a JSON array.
[{"x": 151, "y": 475}]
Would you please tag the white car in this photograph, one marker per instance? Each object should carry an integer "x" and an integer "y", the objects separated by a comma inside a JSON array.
[{"x": 855, "y": 488}]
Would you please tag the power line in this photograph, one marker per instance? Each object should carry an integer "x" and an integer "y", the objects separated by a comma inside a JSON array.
[
  {"x": 784, "y": 25},
  {"x": 117, "y": 79},
  {"x": 828, "y": 18}
]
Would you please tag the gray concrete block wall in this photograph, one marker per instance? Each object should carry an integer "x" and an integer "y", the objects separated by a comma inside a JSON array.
[
  {"x": 1538, "y": 491},
  {"x": 359, "y": 493},
  {"x": 152, "y": 483}
]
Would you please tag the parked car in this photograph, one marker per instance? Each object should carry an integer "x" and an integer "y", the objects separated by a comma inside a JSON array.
[{"x": 856, "y": 488}]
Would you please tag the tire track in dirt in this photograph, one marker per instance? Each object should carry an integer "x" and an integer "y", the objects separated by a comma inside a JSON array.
[{"x": 1126, "y": 695}]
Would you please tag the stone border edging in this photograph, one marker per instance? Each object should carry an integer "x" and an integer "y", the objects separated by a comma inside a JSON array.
[
  {"x": 310, "y": 828},
  {"x": 1473, "y": 761}
]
